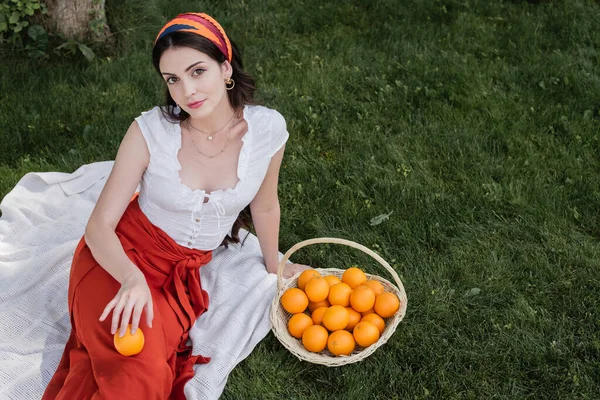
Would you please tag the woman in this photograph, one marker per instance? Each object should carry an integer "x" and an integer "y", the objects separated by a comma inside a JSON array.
[{"x": 199, "y": 161}]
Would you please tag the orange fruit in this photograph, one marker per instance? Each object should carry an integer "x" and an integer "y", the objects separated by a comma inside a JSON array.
[
  {"x": 129, "y": 345},
  {"x": 332, "y": 279},
  {"x": 365, "y": 333},
  {"x": 314, "y": 338},
  {"x": 317, "y": 289},
  {"x": 335, "y": 318},
  {"x": 339, "y": 294},
  {"x": 341, "y": 343},
  {"x": 306, "y": 276},
  {"x": 294, "y": 301},
  {"x": 376, "y": 286},
  {"x": 298, "y": 323},
  {"x": 353, "y": 318},
  {"x": 362, "y": 298},
  {"x": 317, "y": 315},
  {"x": 376, "y": 320},
  {"x": 354, "y": 276},
  {"x": 369, "y": 311},
  {"x": 312, "y": 306},
  {"x": 386, "y": 304}
]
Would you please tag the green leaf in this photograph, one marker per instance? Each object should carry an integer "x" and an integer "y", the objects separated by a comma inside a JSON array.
[
  {"x": 473, "y": 292},
  {"x": 3, "y": 26},
  {"x": 69, "y": 46},
  {"x": 37, "y": 33},
  {"x": 87, "y": 52},
  {"x": 14, "y": 17},
  {"x": 380, "y": 218},
  {"x": 18, "y": 28}
]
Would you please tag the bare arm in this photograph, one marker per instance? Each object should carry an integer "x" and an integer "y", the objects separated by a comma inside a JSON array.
[
  {"x": 266, "y": 218},
  {"x": 266, "y": 213},
  {"x": 130, "y": 163}
]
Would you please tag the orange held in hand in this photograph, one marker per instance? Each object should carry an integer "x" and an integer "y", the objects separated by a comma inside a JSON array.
[{"x": 129, "y": 345}]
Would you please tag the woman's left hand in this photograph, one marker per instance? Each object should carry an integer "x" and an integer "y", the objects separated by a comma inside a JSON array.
[{"x": 291, "y": 269}]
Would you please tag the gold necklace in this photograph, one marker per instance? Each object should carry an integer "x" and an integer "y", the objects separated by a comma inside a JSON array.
[
  {"x": 209, "y": 136},
  {"x": 206, "y": 155}
]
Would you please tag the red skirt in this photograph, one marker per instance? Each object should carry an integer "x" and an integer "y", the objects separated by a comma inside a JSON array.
[{"x": 90, "y": 366}]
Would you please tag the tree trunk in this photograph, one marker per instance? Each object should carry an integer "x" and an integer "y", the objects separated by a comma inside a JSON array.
[{"x": 77, "y": 19}]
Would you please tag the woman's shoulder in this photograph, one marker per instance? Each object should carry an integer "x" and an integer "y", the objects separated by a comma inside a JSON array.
[
  {"x": 154, "y": 112},
  {"x": 269, "y": 118},
  {"x": 154, "y": 126},
  {"x": 156, "y": 117},
  {"x": 272, "y": 126}
]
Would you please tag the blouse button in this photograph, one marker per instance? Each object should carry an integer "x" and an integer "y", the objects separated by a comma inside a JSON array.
[
  {"x": 190, "y": 243},
  {"x": 197, "y": 219}
]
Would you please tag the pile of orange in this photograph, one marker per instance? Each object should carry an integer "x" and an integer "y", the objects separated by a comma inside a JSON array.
[{"x": 338, "y": 314}]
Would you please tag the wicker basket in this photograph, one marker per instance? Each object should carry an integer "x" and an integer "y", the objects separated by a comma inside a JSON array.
[{"x": 280, "y": 317}]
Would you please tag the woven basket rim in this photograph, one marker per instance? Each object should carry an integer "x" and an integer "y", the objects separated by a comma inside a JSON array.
[{"x": 279, "y": 316}]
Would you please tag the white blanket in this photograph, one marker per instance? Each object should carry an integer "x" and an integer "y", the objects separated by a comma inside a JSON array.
[{"x": 43, "y": 218}]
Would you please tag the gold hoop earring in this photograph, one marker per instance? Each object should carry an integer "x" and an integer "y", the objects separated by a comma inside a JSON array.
[{"x": 231, "y": 82}]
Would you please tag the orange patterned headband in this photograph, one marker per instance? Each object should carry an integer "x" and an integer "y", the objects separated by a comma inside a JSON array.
[{"x": 200, "y": 24}]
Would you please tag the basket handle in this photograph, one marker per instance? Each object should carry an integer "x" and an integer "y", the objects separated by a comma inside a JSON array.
[{"x": 345, "y": 242}]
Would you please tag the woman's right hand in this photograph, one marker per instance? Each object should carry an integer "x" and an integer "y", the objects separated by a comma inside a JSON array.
[{"x": 133, "y": 297}]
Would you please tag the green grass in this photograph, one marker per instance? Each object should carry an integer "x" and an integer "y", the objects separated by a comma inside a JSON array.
[{"x": 476, "y": 122}]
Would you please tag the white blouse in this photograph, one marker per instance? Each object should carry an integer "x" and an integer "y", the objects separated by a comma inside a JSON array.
[{"x": 180, "y": 211}]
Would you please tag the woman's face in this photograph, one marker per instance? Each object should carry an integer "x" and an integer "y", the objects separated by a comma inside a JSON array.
[{"x": 193, "y": 76}]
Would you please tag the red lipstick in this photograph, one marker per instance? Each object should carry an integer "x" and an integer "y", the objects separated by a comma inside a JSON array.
[{"x": 196, "y": 104}]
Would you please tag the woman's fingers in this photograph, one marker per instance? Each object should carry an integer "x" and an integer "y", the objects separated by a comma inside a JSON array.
[
  {"x": 149, "y": 312},
  {"x": 291, "y": 269},
  {"x": 126, "y": 317},
  {"x": 137, "y": 314},
  {"x": 127, "y": 307},
  {"x": 108, "y": 308},
  {"x": 288, "y": 273},
  {"x": 117, "y": 314}
]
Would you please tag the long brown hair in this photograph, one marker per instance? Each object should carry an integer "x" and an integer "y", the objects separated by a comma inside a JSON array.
[{"x": 241, "y": 95}]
